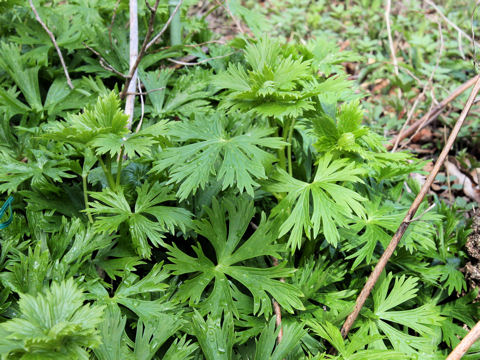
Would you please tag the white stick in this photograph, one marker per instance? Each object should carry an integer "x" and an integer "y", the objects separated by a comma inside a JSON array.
[{"x": 130, "y": 99}]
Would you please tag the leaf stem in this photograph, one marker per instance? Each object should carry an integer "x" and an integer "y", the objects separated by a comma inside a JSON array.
[
  {"x": 280, "y": 152},
  {"x": 119, "y": 166},
  {"x": 289, "y": 147},
  {"x": 108, "y": 173},
  {"x": 85, "y": 197}
]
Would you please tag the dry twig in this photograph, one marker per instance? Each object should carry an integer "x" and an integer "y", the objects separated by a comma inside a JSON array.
[
  {"x": 433, "y": 115},
  {"x": 235, "y": 20},
  {"x": 362, "y": 297},
  {"x": 114, "y": 15},
  {"x": 103, "y": 63},
  {"x": 183, "y": 63},
  {"x": 453, "y": 25},
  {"x": 422, "y": 94},
  {"x": 52, "y": 37},
  {"x": 465, "y": 344},
  {"x": 156, "y": 37},
  {"x": 128, "y": 87},
  {"x": 390, "y": 39}
]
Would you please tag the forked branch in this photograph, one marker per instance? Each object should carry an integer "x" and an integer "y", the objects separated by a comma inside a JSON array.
[
  {"x": 52, "y": 37},
  {"x": 362, "y": 297},
  {"x": 141, "y": 53}
]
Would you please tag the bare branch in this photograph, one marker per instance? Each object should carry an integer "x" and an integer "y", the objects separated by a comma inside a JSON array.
[
  {"x": 136, "y": 57},
  {"x": 465, "y": 344},
  {"x": 52, "y": 37},
  {"x": 453, "y": 25},
  {"x": 434, "y": 113},
  {"x": 390, "y": 39},
  {"x": 235, "y": 20},
  {"x": 103, "y": 63},
  {"x": 422, "y": 94},
  {"x": 172, "y": 15},
  {"x": 114, "y": 15},
  {"x": 146, "y": 92},
  {"x": 362, "y": 297},
  {"x": 178, "y": 62}
]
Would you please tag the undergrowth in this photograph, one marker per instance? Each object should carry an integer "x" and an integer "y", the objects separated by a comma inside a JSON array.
[{"x": 250, "y": 184}]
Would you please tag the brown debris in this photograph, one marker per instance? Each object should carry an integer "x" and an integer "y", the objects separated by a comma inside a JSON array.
[
  {"x": 472, "y": 268},
  {"x": 425, "y": 135}
]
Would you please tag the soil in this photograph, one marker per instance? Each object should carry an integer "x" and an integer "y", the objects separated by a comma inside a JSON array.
[{"x": 472, "y": 268}]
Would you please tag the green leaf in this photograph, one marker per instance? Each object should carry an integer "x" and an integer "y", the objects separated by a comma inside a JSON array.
[
  {"x": 112, "y": 210},
  {"x": 152, "y": 334},
  {"x": 275, "y": 82},
  {"x": 215, "y": 147},
  {"x": 333, "y": 203},
  {"x": 112, "y": 333},
  {"x": 354, "y": 349},
  {"x": 52, "y": 324},
  {"x": 421, "y": 319},
  {"x": 106, "y": 117},
  {"x": 26, "y": 78},
  {"x": 230, "y": 250},
  {"x": 42, "y": 171},
  {"x": 215, "y": 338},
  {"x": 266, "y": 349}
]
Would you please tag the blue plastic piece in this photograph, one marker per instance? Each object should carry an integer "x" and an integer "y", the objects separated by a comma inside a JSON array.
[{"x": 7, "y": 205}]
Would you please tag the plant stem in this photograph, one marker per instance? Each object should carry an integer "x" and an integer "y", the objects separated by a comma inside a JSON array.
[
  {"x": 119, "y": 167},
  {"x": 85, "y": 198},
  {"x": 280, "y": 152},
  {"x": 108, "y": 173},
  {"x": 289, "y": 147}
]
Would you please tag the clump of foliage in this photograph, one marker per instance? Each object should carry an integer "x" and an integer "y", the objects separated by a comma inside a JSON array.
[{"x": 250, "y": 185}]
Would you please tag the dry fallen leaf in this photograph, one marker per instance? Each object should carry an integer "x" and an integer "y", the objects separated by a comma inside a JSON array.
[{"x": 468, "y": 188}]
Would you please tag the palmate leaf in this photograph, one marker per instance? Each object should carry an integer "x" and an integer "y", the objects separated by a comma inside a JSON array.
[
  {"x": 382, "y": 219},
  {"x": 152, "y": 334},
  {"x": 266, "y": 349},
  {"x": 354, "y": 348},
  {"x": 333, "y": 203},
  {"x": 113, "y": 210},
  {"x": 26, "y": 78},
  {"x": 216, "y": 338},
  {"x": 275, "y": 83},
  {"x": 181, "y": 349},
  {"x": 384, "y": 320},
  {"x": 189, "y": 94},
  {"x": 54, "y": 324},
  {"x": 113, "y": 344},
  {"x": 231, "y": 250},
  {"x": 320, "y": 281},
  {"x": 365, "y": 233},
  {"x": 42, "y": 171},
  {"x": 105, "y": 117},
  {"x": 139, "y": 143},
  {"x": 216, "y": 147},
  {"x": 147, "y": 297}
]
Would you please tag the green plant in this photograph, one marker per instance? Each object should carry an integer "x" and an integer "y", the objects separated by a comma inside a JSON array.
[{"x": 237, "y": 218}]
